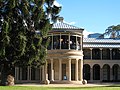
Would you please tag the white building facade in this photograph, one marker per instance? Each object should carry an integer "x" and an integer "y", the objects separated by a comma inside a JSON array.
[{"x": 72, "y": 58}]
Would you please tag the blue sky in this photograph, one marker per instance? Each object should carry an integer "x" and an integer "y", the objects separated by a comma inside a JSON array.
[{"x": 92, "y": 15}]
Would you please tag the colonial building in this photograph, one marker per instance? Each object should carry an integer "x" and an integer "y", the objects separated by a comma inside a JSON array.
[
  {"x": 72, "y": 58},
  {"x": 101, "y": 59},
  {"x": 64, "y": 59},
  {"x": 65, "y": 55}
]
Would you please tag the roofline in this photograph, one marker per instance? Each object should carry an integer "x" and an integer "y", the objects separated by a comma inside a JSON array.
[{"x": 67, "y": 29}]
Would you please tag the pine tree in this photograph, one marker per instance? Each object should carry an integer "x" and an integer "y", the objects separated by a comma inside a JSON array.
[{"x": 24, "y": 25}]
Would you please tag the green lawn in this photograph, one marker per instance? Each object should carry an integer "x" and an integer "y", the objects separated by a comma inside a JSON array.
[{"x": 117, "y": 87}]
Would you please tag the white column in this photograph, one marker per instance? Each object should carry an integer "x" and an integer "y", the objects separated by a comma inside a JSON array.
[
  {"x": 81, "y": 70},
  {"x": 46, "y": 74},
  {"x": 81, "y": 44},
  {"x": 60, "y": 69},
  {"x": 60, "y": 40},
  {"x": 69, "y": 41},
  {"x": 76, "y": 42},
  {"x": 91, "y": 53},
  {"x": 91, "y": 74},
  {"x": 76, "y": 70},
  {"x": 69, "y": 69},
  {"x": 110, "y": 54},
  {"x": 52, "y": 71},
  {"x": 43, "y": 73},
  {"x": 101, "y": 53},
  {"x": 52, "y": 41}
]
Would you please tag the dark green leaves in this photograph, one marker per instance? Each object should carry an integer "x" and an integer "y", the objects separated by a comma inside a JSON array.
[{"x": 21, "y": 19}]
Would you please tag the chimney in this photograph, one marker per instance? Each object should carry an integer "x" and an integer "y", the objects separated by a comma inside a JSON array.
[{"x": 60, "y": 19}]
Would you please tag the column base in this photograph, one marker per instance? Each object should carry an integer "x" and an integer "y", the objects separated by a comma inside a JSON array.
[
  {"x": 84, "y": 82},
  {"x": 46, "y": 82}
]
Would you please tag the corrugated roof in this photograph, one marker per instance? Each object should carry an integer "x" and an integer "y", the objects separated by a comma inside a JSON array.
[
  {"x": 101, "y": 43},
  {"x": 98, "y": 40},
  {"x": 100, "y": 46},
  {"x": 61, "y": 25}
]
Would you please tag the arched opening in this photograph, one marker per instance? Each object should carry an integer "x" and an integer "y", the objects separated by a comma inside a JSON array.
[
  {"x": 115, "y": 54},
  {"x": 116, "y": 71},
  {"x": 87, "y": 54},
  {"x": 106, "y": 72},
  {"x": 96, "y": 72},
  {"x": 96, "y": 53},
  {"x": 86, "y": 72},
  {"x": 106, "y": 54}
]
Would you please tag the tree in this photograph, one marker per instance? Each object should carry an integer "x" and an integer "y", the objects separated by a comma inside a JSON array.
[
  {"x": 24, "y": 25},
  {"x": 113, "y": 31}
]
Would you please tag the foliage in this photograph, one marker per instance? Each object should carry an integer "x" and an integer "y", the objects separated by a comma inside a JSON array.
[
  {"x": 20, "y": 20},
  {"x": 113, "y": 31},
  {"x": 24, "y": 25}
]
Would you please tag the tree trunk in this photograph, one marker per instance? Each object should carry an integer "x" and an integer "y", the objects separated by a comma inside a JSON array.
[{"x": 7, "y": 78}]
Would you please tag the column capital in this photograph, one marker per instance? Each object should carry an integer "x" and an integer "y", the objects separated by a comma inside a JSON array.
[
  {"x": 51, "y": 59},
  {"x": 110, "y": 49},
  {"x": 91, "y": 48},
  {"x": 60, "y": 59},
  {"x": 77, "y": 59},
  {"x": 101, "y": 48}
]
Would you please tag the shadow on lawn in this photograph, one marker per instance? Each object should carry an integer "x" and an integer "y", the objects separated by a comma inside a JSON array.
[
  {"x": 71, "y": 88},
  {"x": 113, "y": 86}
]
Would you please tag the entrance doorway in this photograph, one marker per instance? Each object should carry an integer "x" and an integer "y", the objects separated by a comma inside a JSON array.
[
  {"x": 72, "y": 71},
  {"x": 64, "y": 77}
]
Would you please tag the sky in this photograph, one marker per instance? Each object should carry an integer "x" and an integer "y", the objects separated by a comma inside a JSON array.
[{"x": 95, "y": 16}]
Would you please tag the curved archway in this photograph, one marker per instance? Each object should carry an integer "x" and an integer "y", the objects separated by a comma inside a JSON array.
[
  {"x": 86, "y": 72},
  {"x": 116, "y": 72},
  {"x": 106, "y": 72},
  {"x": 96, "y": 72}
]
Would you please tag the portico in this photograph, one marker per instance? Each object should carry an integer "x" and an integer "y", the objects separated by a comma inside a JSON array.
[{"x": 64, "y": 70}]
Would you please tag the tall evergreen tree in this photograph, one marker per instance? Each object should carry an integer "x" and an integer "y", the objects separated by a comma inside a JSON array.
[{"x": 24, "y": 25}]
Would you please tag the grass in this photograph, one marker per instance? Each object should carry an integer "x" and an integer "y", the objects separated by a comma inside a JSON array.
[{"x": 116, "y": 87}]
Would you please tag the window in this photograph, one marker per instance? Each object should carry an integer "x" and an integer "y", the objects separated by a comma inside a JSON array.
[
  {"x": 56, "y": 42},
  {"x": 50, "y": 43},
  {"x": 72, "y": 42},
  {"x": 64, "y": 42},
  {"x": 78, "y": 43}
]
